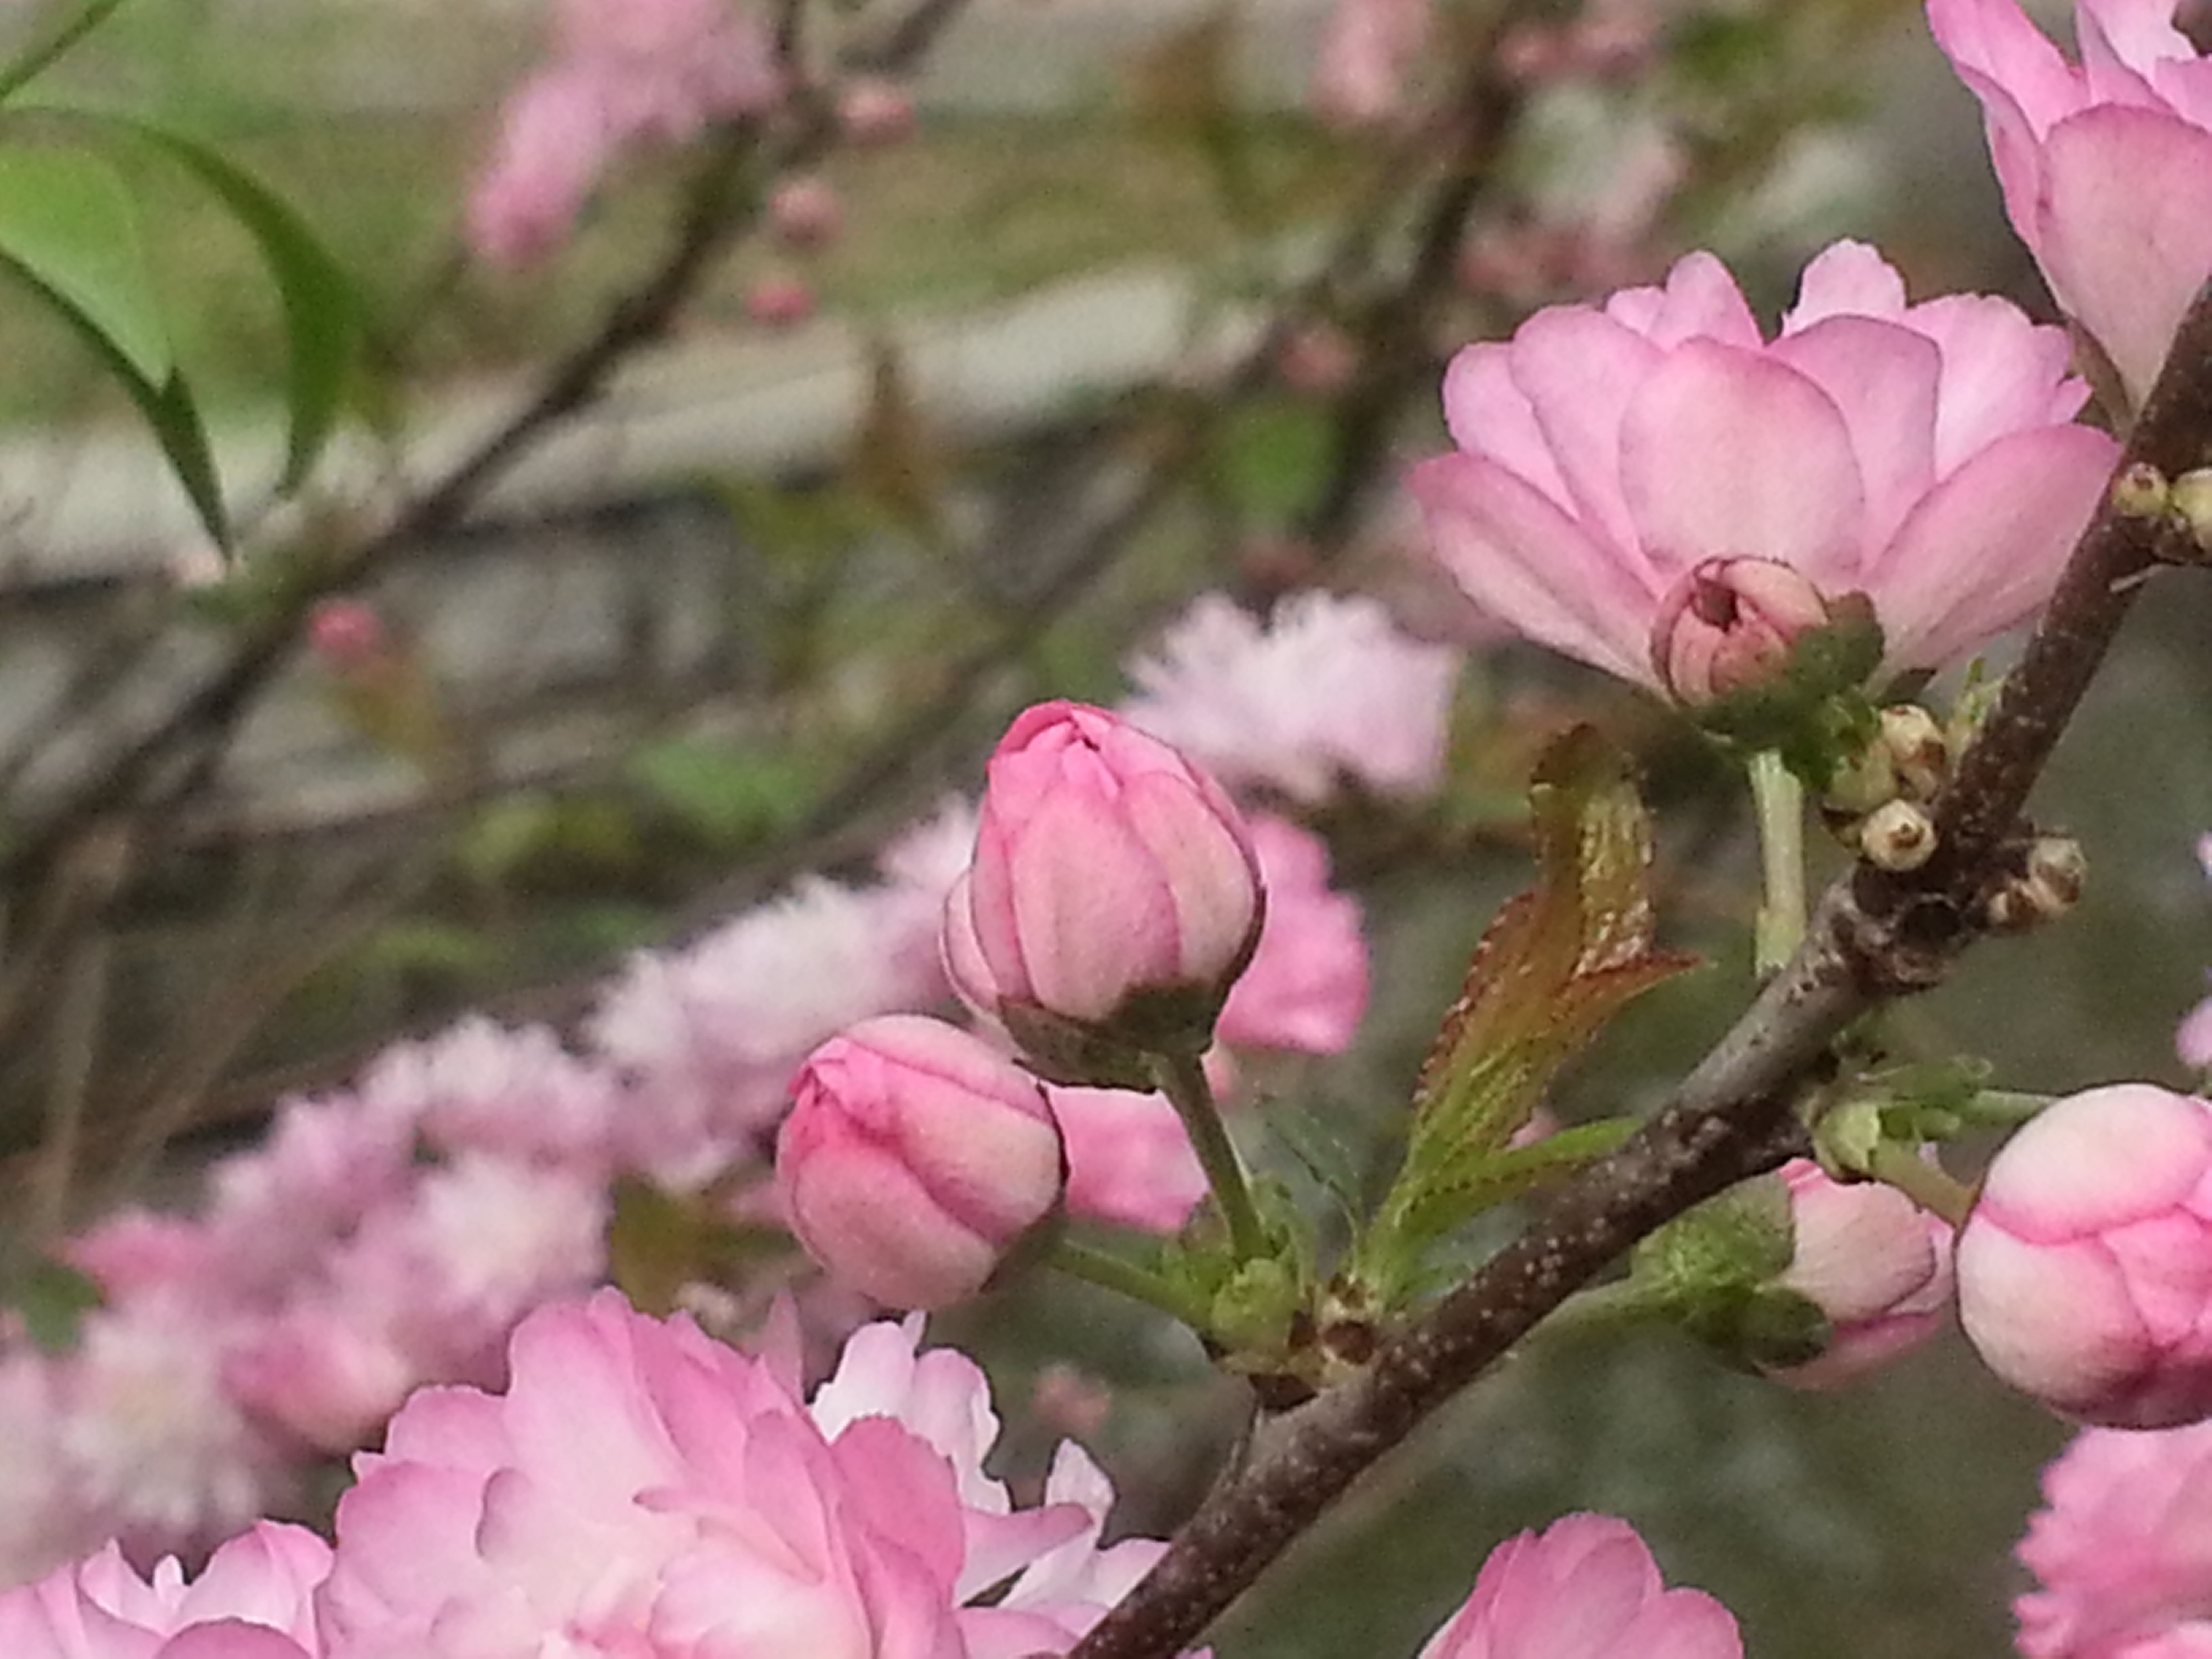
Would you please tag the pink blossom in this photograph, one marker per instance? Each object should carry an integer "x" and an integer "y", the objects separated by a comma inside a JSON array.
[
  {"x": 643, "y": 1492},
  {"x": 1106, "y": 865},
  {"x": 1129, "y": 1160},
  {"x": 711, "y": 1035},
  {"x": 874, "y": 111},
  {"x": 1876, "y": 1264},
  {"x": 624, "y": 70},
  {"x": 514, "y": 1091},
  {"x": 1368, "y": 47},
  {"x": 2106, "y": 164},
  {"x": 1305, "y": 989},
  {"x": 2085, "y": 1272},
  {"x": 1919, "y": 454},
  {"x": 1585, "y": 1588},
  {"x": 806, "y": 211},
  {"x": 557, "y": 136},
  {"x": 914, "y": 1158},
  {"x": 1328, "y": 692},
  {"x": 2122, "y": 1549},
  {"x": 252, "y": 1601},
  {"x": 779, "y": 300},
  {"x": 346, "y": 634}
]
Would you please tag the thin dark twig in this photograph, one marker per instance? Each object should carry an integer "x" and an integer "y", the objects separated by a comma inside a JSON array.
[{"x": 1871, "y": 939}]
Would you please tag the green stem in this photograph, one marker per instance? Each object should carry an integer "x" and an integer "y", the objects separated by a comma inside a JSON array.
[
  {"x": 2003, "y": 1108},
  {"x": 1182, "y": 1078},
  {"x": 1927, "y": 1184},
  {"x": 1114, "y": 1273},
  {"x": 1780, "y": 800}
]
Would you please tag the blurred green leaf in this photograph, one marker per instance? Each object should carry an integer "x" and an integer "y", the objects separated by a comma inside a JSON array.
[
  {"x": 53, "y": 1299},
  {"x": 1273, "y": 458},
  {"x": 68, "y": 225},
  {"x": 728, "y": 800},
  {"x": 659, "y": 1242},
  {"x": 39, "y": 56},
  {"x": 322, "y": 311}
]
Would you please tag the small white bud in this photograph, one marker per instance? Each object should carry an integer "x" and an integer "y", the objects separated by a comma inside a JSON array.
[
  {"x": 1897, "y": 836},
  {"x": 1914, "y": 739}
]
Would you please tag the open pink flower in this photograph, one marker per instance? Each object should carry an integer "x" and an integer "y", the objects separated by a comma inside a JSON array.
[
  {"x": 1305, "y": 989},
  {"x": 1616, "y": 463},
  {"x": 2106, "y": 164},
  {"x": 1585, "y": 1588},
  {"x": 641, "y": 1491},
  {"x": 2121, "y": 1548},
  {"x": 2084, "y": 1271},
  {"x": 254, "y": 1601}
]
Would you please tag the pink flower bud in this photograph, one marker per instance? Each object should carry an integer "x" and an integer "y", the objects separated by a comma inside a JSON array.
[
  {"x": 779, "y": 301},
  {"x": 873, "y": 111},
  {"x": 1729, "y": 623},
  {"x": 1106, "y": 865},
  {"x": 914, "y": 1159},
  {"x": 2085, "y": 1272},
  {"x": 805, "y": 212},
  {"x": 1875, "y": 1263},
  {"x": 346, "y": 634}
]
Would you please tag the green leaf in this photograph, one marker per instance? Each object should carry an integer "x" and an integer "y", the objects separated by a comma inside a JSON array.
[
  {"x": 1274, "y": 456},
  {"x": 1556, "y": 965},
  {"x": 659, "y": 1242},
  {"x": 39, "y": 56},
  {"x": 69, "y": 227},
  {"x": 51, "y": 1298},
  {"x": 322, "y": 308},
  {"x": 729, "y": 801}
]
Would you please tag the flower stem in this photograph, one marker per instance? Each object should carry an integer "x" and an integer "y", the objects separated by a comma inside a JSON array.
[
  {"x": 1182, "y": 1079},
  {"x": 2003, "y": 1108},
  {"x": 1780, "y": 801},
  {"x": 1926, "y": 1183},
  {"x": 1114, "y": 1272}
]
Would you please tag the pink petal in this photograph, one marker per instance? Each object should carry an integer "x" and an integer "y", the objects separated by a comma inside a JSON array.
[
  {"x": 1992, "y": 43},
  {"x": 1982, "y": 551},
  {"x": 1726, "y": 454},
  {"x": 1579, "y": 368},
  {"x": 1700, "y": 301},
  {"x": 2124, "y": 230},
  {"x": 2000, "y": 373},
  {"x": 2054, "y": 1323},
  {"x": 1849, "y": 279},
  {"x": 1489, "y": 414},
  {"x": 1883, "y": 377},
  {"x": 2100, "y": 1159},
  {"x": 1523, "y": 560},
  {"x": 1090, "y": 907}
]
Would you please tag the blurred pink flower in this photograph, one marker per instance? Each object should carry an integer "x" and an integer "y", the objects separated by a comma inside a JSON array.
[
  {"x": 2084, "y": 1271},
  {"x": 915, "y": 1158},
  {"x": 1305, "y": 989},
  {"x": 1368, "y": 48},
  {"x": 1922, "y": 455},
  {"x": 2122, "y": 1549},
  {"x": 1106, "y": 865},
  {"x": 253, "y": 1600},
  {"x": 623, "y": 71},
  {"x": 874, "y": 111},
  {"x": 641, "y": 1490},
  {"x": 779, "y": 300},
  {"x": 2106, "y": 164},
  {"x": 555, "y": 137},
  {"x": 806, "y": 211},
  {"x": 1129, "y": 1160},
  {"x": 1875, "y": 1263},
  {"x": 1585, "y": 1588},
  {"x": 711, "y": 1036},
  {"x": 1327, "y": 692}
]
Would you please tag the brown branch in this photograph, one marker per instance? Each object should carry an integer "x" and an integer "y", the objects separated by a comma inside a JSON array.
[{"x": 1874, "y": 938}]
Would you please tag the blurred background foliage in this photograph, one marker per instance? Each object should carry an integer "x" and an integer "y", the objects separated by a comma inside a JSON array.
[{"x": 872, "y": 618}]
